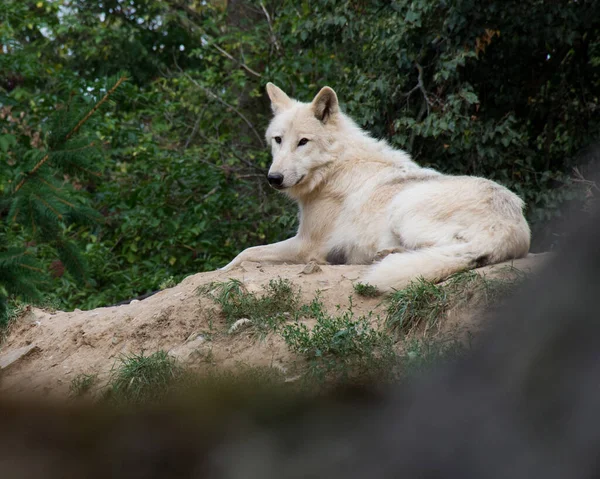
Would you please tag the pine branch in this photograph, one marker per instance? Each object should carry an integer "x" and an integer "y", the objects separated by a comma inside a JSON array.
[
  {"x": 95, "y": 108},
  {"x": 47, "y": 205},
  {"x": 75, "y": 129},
  {"x": 71, "y": 257}
]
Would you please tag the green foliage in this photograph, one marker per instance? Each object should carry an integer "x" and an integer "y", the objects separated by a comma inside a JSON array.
[
  {"x": 140, "y": 379},
  {"x": 167, "y": 283},
  {"x": 9, "y": 312},
  {"x": 38, "y": 202},
  {"x": 82, "y": 384},
  {"x": 422, "y": 304},
  {"x": 503, "y": 89},
  {"x": 367, "y": 290},
  {"x": 340, "y": 347},
  {"x": 265, "y": 313}
]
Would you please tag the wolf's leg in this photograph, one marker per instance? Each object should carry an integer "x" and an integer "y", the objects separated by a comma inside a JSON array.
[{"x": 289, "y": 250}]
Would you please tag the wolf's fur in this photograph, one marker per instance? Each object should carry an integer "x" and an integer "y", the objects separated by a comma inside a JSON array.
[{"x": 359, "y": 199}]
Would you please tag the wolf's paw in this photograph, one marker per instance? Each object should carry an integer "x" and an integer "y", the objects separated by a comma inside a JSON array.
[{"x": 385, "y": 252}]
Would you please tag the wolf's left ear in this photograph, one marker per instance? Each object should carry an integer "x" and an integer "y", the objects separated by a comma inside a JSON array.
[
  {"x": 325, "y": 105},
  {"x": 279, "y": 100}
]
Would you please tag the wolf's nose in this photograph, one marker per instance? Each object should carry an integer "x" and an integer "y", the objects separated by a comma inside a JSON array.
[{"x": 276, "y": 179}]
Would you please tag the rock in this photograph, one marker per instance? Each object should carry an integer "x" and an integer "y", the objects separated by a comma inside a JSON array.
[
  {"x": 184, "y": 351},
  {"x": 13, "y": 356},
  {"x": 311, "y": 268},
  {"x": 29, "y": 316}
]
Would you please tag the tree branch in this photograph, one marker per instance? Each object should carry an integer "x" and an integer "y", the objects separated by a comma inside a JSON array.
[
  {"x": 73, "y": 131},
  {"x": 273, "y": 36},
  {"x": 421, "y": 86},
  {"x": 212, "y": 41},
  {"x": 223, "y": 102}
]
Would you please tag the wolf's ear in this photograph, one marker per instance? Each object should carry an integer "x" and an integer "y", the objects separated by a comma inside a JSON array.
[
  {"x": 325, "y": 105},
  {"x": 279, "y": 100}
]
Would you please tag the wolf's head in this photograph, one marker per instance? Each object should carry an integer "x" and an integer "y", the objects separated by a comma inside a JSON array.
[{"x": 302, "y": 138}]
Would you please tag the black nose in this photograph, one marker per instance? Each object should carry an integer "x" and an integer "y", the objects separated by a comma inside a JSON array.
[{"x": 276, "y": 179}]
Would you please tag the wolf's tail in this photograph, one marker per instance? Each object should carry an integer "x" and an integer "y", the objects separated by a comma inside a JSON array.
[{"x": 436, "y": 263}]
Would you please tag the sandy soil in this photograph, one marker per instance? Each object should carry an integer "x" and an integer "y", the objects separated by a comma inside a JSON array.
[{"x": 46, "y": 350}]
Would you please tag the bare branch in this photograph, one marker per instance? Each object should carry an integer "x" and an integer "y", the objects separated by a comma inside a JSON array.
[
  {"x": 194, "y": 130},
  {"x": 191, "y": 12},
  {"x": 223, "y": 102},
  {"x": 223, "y": 52},
  {"x": 273, "y": 37},
  {"x": 421, "y": 86}
]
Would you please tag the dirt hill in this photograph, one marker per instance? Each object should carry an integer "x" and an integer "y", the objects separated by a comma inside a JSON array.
[{"x": 45, "y": 350}]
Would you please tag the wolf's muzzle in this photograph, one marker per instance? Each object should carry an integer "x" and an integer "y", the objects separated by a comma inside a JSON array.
[{"x": 275, "y": 180}]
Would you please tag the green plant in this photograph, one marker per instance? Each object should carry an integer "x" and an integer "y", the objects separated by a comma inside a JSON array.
[
  {"x": 139, "y": 379},
  {"x": 265, "y": 313},
  {"x": 81, "y": 384},
  {"x": 366, "y": 290},
  {"x": 340, "y": 347},
  {"x": 39, "y": 205},
  {"x": 422, "y": 304},
  {"x": 167, "y": 283},
  {"x": 12, "y": 310}
]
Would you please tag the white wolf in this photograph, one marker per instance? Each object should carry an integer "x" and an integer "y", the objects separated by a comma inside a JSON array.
[{"x": 361, "y": 202}]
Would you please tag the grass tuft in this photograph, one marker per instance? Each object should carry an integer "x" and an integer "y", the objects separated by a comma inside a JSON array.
[
  {"x": 166, "y": 283},
  {"x": 140, "y": 379},
  {"x": 9, "y": 312},
  {"x": 265, "y": 313},
  {"x": 82, "y": 384},
  {"x": 367, "y": 290},
  {"x": 340, "y": 347},
  {"x": 422, "y": 303}
]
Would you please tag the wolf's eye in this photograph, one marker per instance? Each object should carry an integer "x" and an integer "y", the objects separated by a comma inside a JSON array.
[
  {"x": 303, "y": 142},
  {"x": 277, "y": 139}
]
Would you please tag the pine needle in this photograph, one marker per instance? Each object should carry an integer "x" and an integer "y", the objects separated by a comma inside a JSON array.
[{"x": 74, "y": 130}]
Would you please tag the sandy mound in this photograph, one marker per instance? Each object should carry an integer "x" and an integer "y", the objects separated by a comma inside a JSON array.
[{"x": 46, "y": 350}]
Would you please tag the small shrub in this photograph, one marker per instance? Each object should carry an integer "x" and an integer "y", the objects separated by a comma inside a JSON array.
[
  {"x": 167, "y": 283},
  {"x": 9, "y": 312},
  {"x": 366, "y": 290},
  {"x": 143, "y": 379},
  {"x": 340, "y": 347},
  {"x": 266, "y": 313},
  {"x": 423, "y": 303},
  {"x": 81, "y": 384}
]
